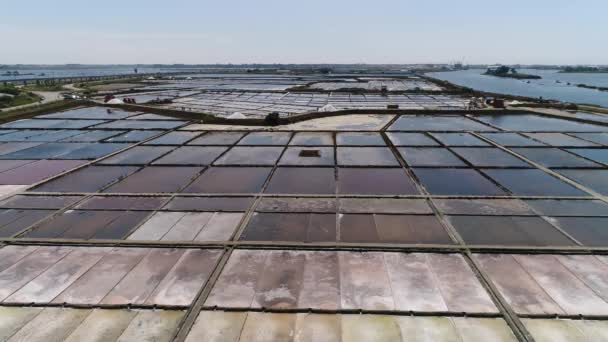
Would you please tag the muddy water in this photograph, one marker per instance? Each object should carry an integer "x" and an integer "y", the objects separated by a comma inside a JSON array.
[
  {"x": 302, "y": 181},
  {"x": 374, "y": 181},
  {"x": 499, "y": 230},
  {"x": 456, "y": 182},
  {"x": 230, "y": 180}
]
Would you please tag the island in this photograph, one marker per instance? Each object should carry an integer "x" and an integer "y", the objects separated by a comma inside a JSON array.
[{"x": 505, "y": 71}]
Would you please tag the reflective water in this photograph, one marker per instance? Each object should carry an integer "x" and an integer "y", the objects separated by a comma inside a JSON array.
[
  {"x": 77, "y": 71},
  {"x": 547, "y": 87}
]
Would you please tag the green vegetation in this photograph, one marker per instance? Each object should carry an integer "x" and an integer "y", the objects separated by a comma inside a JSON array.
[
  {"x": 505, "y": 71},
  {"x": 44, "y": 87},
  {"x": 584, "y": 69},
  {"x": 89, "y": 92},
  {"x": 31, "y": 111},
  {"x": 16, "y": 97},
  {"x": 92, "y": 84},
  {"x": 9, "y": 89}
]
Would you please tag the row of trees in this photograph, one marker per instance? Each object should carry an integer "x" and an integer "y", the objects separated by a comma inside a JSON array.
[{"x": 584, "y": 69}]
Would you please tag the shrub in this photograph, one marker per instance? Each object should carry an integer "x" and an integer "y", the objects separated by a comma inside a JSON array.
[{"x": 9, "y": 89}]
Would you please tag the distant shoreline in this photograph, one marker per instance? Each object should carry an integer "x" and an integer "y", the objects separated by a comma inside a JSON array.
[{"x": 583, "y": 72}]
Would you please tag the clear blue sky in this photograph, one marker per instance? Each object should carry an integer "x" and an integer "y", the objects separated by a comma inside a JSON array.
[{"x": 310, "y": 31}]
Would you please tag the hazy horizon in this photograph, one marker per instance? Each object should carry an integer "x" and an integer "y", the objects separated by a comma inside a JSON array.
[
  {"x": 543, "y": 32},
  {"x": 186, "y": 65}
]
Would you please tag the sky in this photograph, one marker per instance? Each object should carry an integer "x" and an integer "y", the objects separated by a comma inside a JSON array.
[{"x": 311, "y": 31}]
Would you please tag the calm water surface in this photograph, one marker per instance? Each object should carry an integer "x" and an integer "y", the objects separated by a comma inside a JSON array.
[
  {"x": 50, "y": 72},
  {"x": 547, "y": 87}
]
